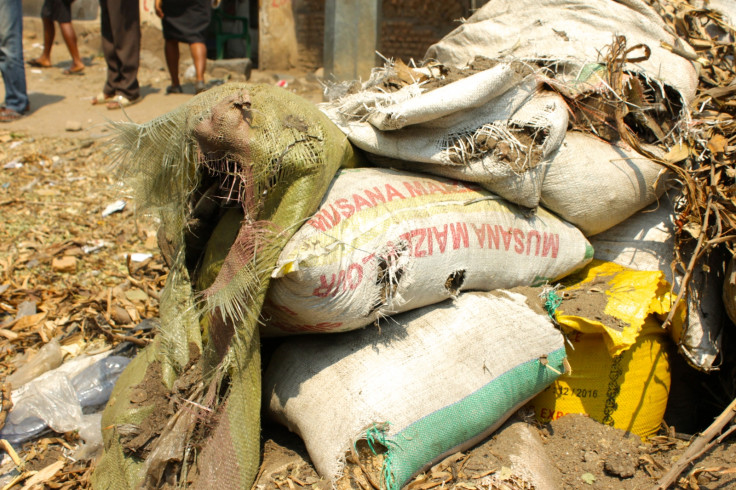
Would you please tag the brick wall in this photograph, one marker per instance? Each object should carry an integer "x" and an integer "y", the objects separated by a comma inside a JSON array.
[
  {"x": 309, "y": 20},
  {"x": 408, "y": 27}
]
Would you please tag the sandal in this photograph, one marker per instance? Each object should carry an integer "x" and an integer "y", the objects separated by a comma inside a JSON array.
[
  {"x": 37, "y": 64},
  {"x": 119, "y": 102},
  {"x": 101, "y": 98},
  {"x": 199, "y": 87},
  {"x": 69, "y": 71},
  {"x": 9, "y": 115},
  {"x": 173, "y": 89}
]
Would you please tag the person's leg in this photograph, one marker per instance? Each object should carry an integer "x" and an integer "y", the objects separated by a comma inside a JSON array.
[
  {"x": 171, "y": 51},
  {"x": 126, "y": 31},
  {"x": 199, "y": 56},
  {"x": 70, "y": 38},
  {"x": 11, "y": 55},
  {"x": 108, "y": 50},
  {"x": 49, "y": 33},
  {"x": 121, "y": 41}
]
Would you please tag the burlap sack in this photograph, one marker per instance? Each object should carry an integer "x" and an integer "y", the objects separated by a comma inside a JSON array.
[
  {"x": 266, "y": 156},
  {"x": 493, "y": 127}
]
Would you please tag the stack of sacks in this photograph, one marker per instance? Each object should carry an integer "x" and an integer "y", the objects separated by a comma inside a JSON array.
[
  {"x": 442, "y": 375},
  {"x": 537, "y": 124},
  {"x": 505, "y": 124}
]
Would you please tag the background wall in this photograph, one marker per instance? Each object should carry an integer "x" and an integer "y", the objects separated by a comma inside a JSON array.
[{"x": 408, "y": 27}]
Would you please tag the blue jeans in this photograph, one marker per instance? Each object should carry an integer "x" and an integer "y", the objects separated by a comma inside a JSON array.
[{"x": 11, "y": 55}]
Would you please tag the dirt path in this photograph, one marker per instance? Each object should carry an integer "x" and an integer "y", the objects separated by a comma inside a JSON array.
[{"x": 61, "y": 102}]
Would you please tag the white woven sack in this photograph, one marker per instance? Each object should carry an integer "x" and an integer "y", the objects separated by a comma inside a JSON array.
[
  {"x": 445, "y": 131},
  {"x": 646, "y": 242},
  {"x": 433, "y": 381},
  {"x": 596, "y": 185},
  {"x": 569, "y": 35},
  {"x": 462, "y": 95},
  {"x": 384, "y": 242}
]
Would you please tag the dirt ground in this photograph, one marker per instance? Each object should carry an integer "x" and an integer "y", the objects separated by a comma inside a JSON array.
[
  {"x": 54, "y": 185},
  {"x": 61, "y": 104}
]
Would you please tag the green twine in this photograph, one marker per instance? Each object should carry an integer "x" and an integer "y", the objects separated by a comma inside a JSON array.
[
  {"x": 387, "y": 472},
  {"x": 551, "y": 303},
  {"x": 375, "y": 435}
]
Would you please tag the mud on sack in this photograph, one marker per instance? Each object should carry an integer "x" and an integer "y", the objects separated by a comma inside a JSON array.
[
  {"x": 617, "y": 349},
  {"x": 430, "y": 382},
  {"x": 248, "y": 158},
  {"x": 385, "y": 241}
]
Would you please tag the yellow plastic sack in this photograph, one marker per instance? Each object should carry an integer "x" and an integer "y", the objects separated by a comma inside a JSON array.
[
  {"x": 618, "y": 350},
  {"x": 613, "y": 300},
  {"x": 628, "y": 391}
]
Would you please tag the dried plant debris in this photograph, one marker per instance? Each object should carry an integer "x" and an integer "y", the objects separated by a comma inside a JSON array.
[{"x": 68, "y": 273}]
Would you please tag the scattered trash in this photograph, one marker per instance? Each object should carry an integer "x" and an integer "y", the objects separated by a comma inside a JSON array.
[
  {"x": 140, "y": 257},
  {"x": 13, "y": 164},
  {"x": 47, "y": 358},
  {"x": 94, "y": 246},
  {"x": 115, "y": 207},
  {"x": 56, "y": 399}
]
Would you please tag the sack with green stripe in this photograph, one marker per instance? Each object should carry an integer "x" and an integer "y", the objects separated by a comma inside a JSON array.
[
  {"x": 385, "y": 241},
  {"x": 428, "y": 383}
]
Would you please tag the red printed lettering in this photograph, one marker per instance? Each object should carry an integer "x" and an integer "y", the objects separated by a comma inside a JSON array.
[
  {"x": 519, "y": 241},
  {"x": 375, "y": 196},
  {"x": 360, "y": 202},
  {"x": 494, "y": 239},
  {"x": 529, "y": 236},
  {"x": 481, "y": 234},
  {"x": 355, "y": 276},
  {"x": 441, "y": 237},
  {"x": 422, "y": 234},
  {"x": 433, "y": 188},
  {"x": 551, "y": 244},
  {"x": 459, "y": 233},
  {"x": 345, "y": 207},
  {"x": 415, "y": 189},
  {"x": 506, "y": 236},
  {"x": 324, "y": 289},
  {"x": 392, "y": 193}
]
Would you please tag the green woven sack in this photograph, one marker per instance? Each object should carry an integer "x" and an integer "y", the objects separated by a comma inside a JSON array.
[{"x": 232, "y": 174}]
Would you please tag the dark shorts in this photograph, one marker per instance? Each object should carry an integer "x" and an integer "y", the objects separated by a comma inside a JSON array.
[
  {"x": 57, "y": 10},
  {"x": 186, "y": 21}
]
